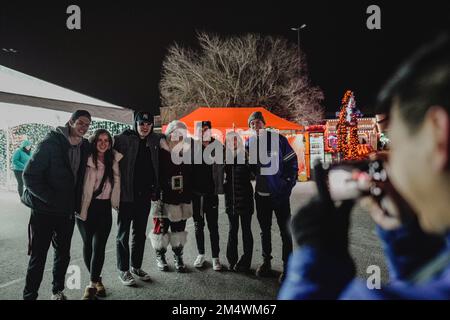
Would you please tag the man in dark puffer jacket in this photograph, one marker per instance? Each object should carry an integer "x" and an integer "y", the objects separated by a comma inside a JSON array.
[{"x": 53, "y": 179}]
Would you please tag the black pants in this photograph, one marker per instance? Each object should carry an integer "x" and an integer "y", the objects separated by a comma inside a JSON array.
[
  {"x": 95, "y": 232},
  {"x": 264, "y": 209},
  {"x": 138, "y": 213},
  {"x": 247, "y": 238},
  {"x": 45, "y": 229},
  {"x": 19, "y": 178},
  {"x": 208, "y": 206}
]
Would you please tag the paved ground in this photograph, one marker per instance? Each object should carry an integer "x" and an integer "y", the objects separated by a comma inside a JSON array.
[{"x": 196, "y": 284}]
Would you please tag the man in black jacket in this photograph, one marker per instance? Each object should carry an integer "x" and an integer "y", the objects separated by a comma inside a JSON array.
[
  {"x": 53, "y": 179},
  {"x": 138, "y": 186},
  {"x": 207, "y": 184}
]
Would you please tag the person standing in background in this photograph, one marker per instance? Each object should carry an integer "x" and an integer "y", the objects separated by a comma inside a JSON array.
[{"x": 20, "y": 159}]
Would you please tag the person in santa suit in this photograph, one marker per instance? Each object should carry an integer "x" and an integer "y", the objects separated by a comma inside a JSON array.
[{"x": 174, "y": 207}]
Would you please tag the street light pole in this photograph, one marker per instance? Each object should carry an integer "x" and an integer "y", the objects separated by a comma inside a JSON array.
[{"x": 298, "y": 40}]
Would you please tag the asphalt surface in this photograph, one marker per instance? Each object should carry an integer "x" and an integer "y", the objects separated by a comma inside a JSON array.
[{"x": 195, "y": 284}]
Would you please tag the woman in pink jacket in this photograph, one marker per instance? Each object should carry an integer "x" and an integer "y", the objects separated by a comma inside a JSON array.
[{"x": 101, "y": 192}]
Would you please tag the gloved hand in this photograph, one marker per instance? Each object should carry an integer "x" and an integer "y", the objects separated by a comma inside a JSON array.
[{"x": 322, "y": 225}]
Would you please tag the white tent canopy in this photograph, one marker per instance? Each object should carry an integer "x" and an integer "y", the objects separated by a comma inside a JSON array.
[
  {"x": 17, "y": 88},
  {"x": 14, "y": 115}
]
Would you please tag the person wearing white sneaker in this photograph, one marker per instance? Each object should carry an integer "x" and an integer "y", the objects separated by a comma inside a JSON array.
[
  {"x": 217, "y": 266},
  {"x": 207, "y": 185},
  {"x": 199, "y": 261}
]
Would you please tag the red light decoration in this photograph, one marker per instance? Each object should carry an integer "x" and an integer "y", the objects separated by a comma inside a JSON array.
[{"x": 347, "y": 128}]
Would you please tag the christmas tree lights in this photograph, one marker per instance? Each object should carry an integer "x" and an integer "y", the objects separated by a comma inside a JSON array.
[{"x": 347, "y": 127}]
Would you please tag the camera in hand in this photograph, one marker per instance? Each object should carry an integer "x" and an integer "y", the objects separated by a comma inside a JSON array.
[{"x": 351, "y": 179}]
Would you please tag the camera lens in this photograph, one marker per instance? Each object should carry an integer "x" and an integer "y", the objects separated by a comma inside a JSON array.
[{"x": 375, "y": 191}]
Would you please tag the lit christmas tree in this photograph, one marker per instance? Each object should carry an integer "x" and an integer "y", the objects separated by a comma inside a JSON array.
[{"x": 347, "y": 127}]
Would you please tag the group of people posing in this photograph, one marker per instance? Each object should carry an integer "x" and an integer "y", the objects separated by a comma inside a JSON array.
[{"x": 71, "y": 180}]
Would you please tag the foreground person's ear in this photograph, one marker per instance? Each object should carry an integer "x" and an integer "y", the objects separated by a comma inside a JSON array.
[{"x": 439, "y": 121}]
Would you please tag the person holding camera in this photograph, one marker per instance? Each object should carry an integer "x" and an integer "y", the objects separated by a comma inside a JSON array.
[
  {"x": 412, "y": 212},
  {"x": 175, "y": 205}
]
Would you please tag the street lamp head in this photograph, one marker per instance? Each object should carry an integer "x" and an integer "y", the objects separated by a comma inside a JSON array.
[
  {"x": 10, "y": 50},
  {"x": 298, "y": 28}
]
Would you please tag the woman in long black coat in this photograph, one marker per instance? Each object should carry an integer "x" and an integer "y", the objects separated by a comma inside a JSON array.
[{"x": 238, "y": 202}]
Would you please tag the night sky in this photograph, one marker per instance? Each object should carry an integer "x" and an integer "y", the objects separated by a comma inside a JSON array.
[{"x": 117, "y": 54}]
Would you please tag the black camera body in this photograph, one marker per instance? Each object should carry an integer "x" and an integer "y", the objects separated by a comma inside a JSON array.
[{"x": 349, "y": 180}]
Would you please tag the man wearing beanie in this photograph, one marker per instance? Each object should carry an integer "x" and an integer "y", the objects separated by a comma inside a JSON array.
[
  {"x": 53, "y": 179},
  {"x": 139, "y": 185},
  {"x": 272, "y": 191}
]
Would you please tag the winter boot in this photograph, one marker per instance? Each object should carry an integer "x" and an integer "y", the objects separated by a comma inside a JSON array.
[
  {"x": 159, "y": 243},
  {"x": 161, "y": 260},
  {"x": 177, "y": 241}
]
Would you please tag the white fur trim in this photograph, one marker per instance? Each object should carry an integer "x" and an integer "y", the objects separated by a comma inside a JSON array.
[
  {"x": 159, "y": 241},
  {"x": 177, "y": 212},
  {"x": 156, "y": 209},
  {"x": 174, "y": 125},
  {"x": 178, "y": 239}
]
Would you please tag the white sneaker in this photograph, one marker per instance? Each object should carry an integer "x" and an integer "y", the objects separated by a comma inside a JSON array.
[
  {"x": 126, "y": 278},
  {"x": 199, "y": 261},
  {"x": 59, "y": 296},
  {"x": 216, "y": 264},
  {"x": 140, "y": 274}
]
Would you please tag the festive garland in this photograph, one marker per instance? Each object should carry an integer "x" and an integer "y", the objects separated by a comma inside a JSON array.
[{"x": 36, "y": 132}]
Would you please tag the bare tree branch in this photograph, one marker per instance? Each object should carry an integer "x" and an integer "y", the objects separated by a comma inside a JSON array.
[{"x": 240, "y": 71}]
